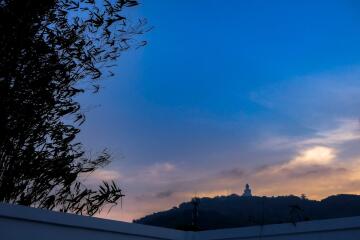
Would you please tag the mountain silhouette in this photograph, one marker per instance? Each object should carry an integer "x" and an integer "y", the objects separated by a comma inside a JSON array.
[{"x": 239, "y": 211}]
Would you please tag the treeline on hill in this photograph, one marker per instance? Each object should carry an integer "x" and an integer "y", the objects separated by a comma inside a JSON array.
[{"x": 237, "y": 211}]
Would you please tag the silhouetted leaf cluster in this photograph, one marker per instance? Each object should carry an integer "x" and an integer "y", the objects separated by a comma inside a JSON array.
[{"x": 50, "y": 52}]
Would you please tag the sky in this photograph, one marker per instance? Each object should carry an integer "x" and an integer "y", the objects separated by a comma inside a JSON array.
[{"x": 228, "y": 93}]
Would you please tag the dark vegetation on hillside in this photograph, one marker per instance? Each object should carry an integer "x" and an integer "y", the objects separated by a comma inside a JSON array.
[{"x": 236, "y": 211}]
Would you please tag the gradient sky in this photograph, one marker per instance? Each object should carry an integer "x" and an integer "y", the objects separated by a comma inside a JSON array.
[{"x": 230, "y": 92}]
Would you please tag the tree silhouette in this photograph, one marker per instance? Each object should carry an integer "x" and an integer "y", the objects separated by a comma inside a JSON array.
[
  {"x": 50, "y": 52},
  {"x": 295, "y": 213}
]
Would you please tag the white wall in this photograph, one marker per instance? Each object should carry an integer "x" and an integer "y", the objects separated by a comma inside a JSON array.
[
  {"x": 339, "y": 228},
  {"x": 18, "y": 222}
]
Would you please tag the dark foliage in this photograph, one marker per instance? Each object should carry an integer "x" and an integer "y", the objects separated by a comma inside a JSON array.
[
  {"x": 51, "y": 51},
  {"x": 235, "y": 211}
]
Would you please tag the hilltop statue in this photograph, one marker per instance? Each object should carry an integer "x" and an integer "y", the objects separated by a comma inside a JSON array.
[{"x": 247, "y": 191}]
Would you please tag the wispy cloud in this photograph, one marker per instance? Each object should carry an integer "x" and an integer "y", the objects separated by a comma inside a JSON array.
[
  {"x": 159, "y": 169},
  {"x": 317, "y": 155},
  {"x": 344, "y": 131},
  {"x": 102, "y": 175},
  {"x": 164, "y": 194}
]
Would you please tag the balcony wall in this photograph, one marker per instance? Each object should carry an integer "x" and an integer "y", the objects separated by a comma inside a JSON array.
[{"x": 19, "y": 223}]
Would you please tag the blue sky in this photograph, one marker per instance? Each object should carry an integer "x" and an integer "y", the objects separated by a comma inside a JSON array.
[{"x": 229, "y": 92}]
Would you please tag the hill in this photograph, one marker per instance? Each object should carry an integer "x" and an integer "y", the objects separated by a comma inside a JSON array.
[{"x": 238, "y": 211}]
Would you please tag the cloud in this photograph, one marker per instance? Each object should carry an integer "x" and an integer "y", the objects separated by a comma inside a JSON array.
[
  {"x": 342, "y": 132},
  {"x": 315, "y": 171},
  {"x": 346, "y": 130},
  {"x": 310, "y": 162},
  {"x": 159, "y": 169},
  {"x": 235, "y": 172},
  {"x": 317, "y": 155},
  {"x": 164, "y": 194},
  {"x": 102, "y": 175}
]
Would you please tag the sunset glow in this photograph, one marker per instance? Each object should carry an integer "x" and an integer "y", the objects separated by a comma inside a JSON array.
[{"x": 258, "y": 92}]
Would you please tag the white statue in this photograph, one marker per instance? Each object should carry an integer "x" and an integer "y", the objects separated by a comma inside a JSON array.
[{"x": 247, "y": 191}]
